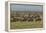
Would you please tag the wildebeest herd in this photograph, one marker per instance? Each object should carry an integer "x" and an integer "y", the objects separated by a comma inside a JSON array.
[{"x": 26, "y": 17}]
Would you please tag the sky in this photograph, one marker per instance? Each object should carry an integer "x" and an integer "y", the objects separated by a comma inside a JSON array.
[{"x": 15, "y": 7}]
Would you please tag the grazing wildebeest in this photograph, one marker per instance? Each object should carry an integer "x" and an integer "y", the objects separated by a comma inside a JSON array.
[
  {"x": 38, "y": 16},
  {"x": 15, "y": 19},
  {"x": 29, "y": 19},
  {"x": 18, "y": 19},
  {"x": 11, "y": 16},
  {"x": 34, "y": 17},
  {"x": 11, "y": 19},
  {"x": 24, "y": 18},
  {"x": 21, "y": 19},
  {"x": 38, "y": 19}
]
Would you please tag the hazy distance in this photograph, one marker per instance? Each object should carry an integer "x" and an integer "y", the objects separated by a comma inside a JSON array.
[{"x": 28, "y": 7}]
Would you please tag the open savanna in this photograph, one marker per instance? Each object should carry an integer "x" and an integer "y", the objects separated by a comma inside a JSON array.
[
  {"x": 20, "y": 24},
  {"x": 26, "y": 25}
]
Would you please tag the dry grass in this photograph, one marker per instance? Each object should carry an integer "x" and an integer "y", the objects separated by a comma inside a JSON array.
[{"x": 24, "y": 25}]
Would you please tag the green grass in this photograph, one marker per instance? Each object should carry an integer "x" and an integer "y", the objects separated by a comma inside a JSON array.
[{"x": 24, "y": 25}]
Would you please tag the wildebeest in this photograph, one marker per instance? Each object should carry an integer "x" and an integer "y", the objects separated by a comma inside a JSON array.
[
  {"x": 18, "y": 19},
  {"x": 38, "y": 19},
  {"x": 11, "y": 19},
  {"x": 30, "y": 19},
  {"x": 11, "y": 16},
  {"x": 24, "y": 18}
]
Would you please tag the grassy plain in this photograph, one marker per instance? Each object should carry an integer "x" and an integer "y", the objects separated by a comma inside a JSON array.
[{"x": 24, "y": 25}]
